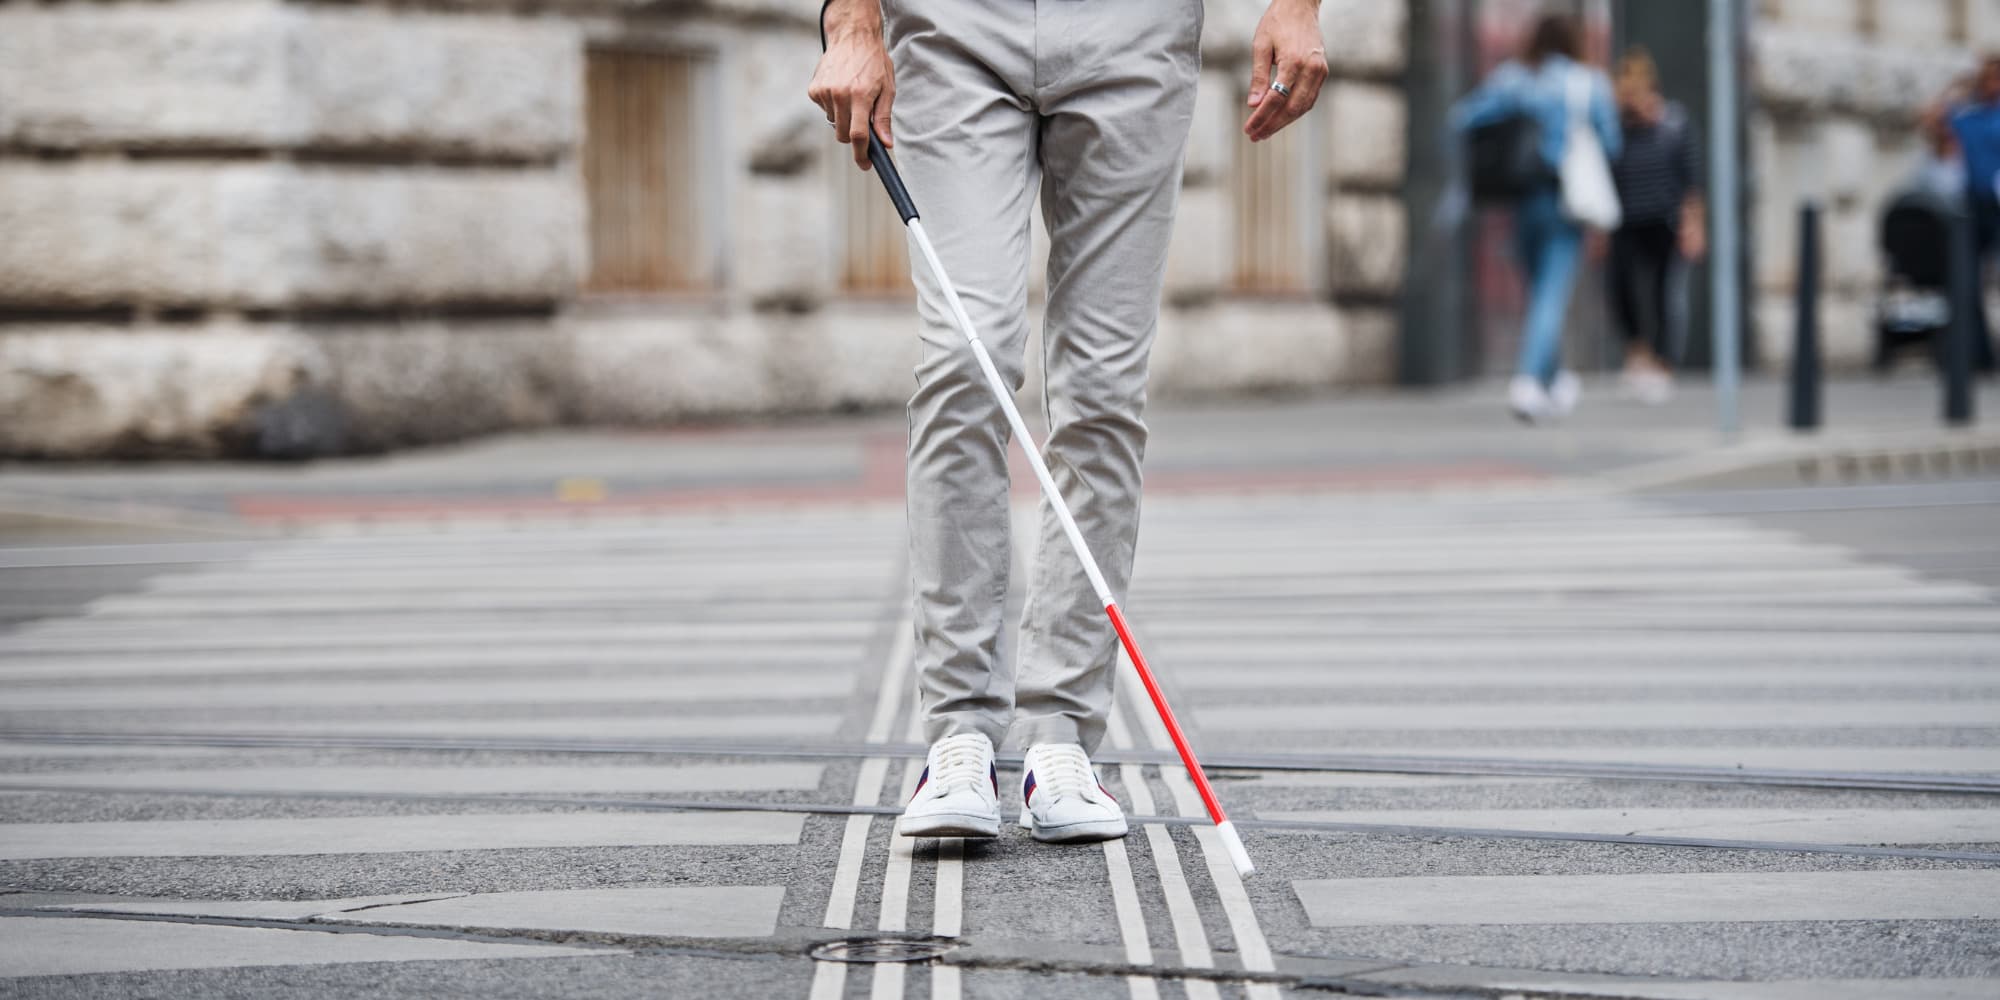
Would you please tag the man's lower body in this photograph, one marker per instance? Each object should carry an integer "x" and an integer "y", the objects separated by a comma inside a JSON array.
[
  {"x": 1087, "y": 105},
  {"x": 1549, "y": 248},
  {"x": 1640, "y": 274}
]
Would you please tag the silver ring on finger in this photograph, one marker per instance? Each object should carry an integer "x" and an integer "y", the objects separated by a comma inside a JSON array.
[{"x": 1283, "y": 91}]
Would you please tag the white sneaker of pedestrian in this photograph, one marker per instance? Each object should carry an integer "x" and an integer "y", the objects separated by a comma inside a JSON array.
[
  {"x": 1061, "y": 799},
  {"x": 958, "y": 794},
  {"x": 1564, "y": 393},
  {"x": 1648, "y": 387},
  {"x": 1528, "y": 400}
]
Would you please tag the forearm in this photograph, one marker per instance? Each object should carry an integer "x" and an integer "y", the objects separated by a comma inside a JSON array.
[{"x": 1694, "y": 211}]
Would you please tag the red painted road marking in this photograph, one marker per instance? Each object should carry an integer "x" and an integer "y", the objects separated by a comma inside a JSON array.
[{"x": 879, "y": 480}]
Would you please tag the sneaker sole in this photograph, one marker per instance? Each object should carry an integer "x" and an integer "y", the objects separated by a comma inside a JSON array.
[
  {"x": 949, "y": 825},
  {"x": 1077, "y": 833}
]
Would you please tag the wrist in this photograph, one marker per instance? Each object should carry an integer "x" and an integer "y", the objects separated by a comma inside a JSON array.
[{"x": 851, "y": 20}]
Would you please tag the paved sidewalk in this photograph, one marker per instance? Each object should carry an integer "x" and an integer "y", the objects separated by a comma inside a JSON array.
[
  {"x": 1455, "y": 438},
  {"x": 1494, "y": 724}
]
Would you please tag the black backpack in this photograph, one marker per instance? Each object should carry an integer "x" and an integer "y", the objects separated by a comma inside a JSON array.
[{"x": 1505, "y": 159}]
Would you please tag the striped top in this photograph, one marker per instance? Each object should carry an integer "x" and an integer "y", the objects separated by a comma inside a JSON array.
[{"x": 1658, "y": 168}]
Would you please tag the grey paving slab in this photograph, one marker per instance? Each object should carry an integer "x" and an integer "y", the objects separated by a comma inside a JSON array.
[
  {"x": 1348, "y": 677},
  {"x": 1627, "y": 715},
  {"x": 1807, "y": 989},
  {"x": 1749, "y": 581},
  {"x": 1640, "y": 988},
  {"x": 1615, "y": 561},
  {"x": 733, "y": 911},
  {"x": 1857, "y": 759},
  {"x": 465, "y": 654},
  {"x": 40, "y": 900},
  {"x": 1370, "y": 779},
  {"x": 196, "y": 606},
  {"x": 1701, "y": 897},
  {"x": 681, "y": 576},
  {"x": 659, "y": 911},
  {"x": 1589, "y": 648},
  {"x": 163, "y": 635},
  {"x": 14, "y": 749},
  {"x": 471, "y": 780},
  {"x": 1495, "y": 615},
  {"x": 241, "y": 909},
  {"x": 383, "y": 834},
  {"x": 242, "y": 694},
  {"x": 780, "y": 728},
  {"x": 1826, "y": 826},
  {"x": 55, "y": 946},
  {"x": 497, "y": 561}
]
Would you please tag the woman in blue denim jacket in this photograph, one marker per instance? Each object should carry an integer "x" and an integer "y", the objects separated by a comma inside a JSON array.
[{"x": 1548, "y": 242}]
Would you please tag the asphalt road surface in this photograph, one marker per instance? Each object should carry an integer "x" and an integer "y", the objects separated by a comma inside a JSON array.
[{"x": 1489, "y": 737}]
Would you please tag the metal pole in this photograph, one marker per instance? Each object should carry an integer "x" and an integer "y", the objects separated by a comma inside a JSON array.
[
  {"x": 1963, "y": 290},
  {"x": 1805, "y": 344},
  {"x": 1725, "y": 215}
]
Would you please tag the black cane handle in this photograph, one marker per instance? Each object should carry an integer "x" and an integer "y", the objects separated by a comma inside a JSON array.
[{"x": 892, "y": 180}]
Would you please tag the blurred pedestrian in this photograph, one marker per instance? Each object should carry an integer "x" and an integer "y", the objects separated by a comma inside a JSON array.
[
  {"x": 1976, "y": 123},
  {"x": 1940, "y": 164},
  {"x": 1661, "y": 227},
  {"x": 1088, "y": 106},
  {"x": 1570, "y": 105}
]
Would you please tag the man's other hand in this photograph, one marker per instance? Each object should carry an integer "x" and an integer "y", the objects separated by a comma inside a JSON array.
[
  {"x": 1288, "y": 52},
  {"x": 854, "y": 82}
]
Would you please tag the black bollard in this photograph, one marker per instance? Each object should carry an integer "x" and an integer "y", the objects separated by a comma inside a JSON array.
[
  {"x": 1964, "y": 293},
  {"x": 1805, "y": 344}
]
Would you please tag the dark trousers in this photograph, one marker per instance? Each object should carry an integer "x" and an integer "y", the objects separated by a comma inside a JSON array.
[
  {"x": 1986, "y": 243},
  {"x": 1644, "y": 260}
]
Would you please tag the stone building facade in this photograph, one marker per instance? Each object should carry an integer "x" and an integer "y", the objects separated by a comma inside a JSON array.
[
  {"x": 1838, "y": 87},
  {"x": 268, "y": 228}
]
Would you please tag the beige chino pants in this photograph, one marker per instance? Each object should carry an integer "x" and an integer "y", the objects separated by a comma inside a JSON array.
[{"x": 1088, "y": 104}]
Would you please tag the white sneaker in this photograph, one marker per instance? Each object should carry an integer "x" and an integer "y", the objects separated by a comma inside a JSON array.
[
  {"x": 1527, "y": 399},
  {"x": 1062, "y": 800},
  {"x": 1648, "y": 387},
  {"x": 958, "y": 794},
  {"x": 1564, "y": 393}
]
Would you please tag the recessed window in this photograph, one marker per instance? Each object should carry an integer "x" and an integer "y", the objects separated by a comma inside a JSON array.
[
  {"x": 1272, "y": 213},
  {"x": 642, "y": 174},
  {"x": 874, "y": 252}
]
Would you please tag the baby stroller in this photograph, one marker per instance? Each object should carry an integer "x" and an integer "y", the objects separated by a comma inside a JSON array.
[{"x": 1915, "y": 307}]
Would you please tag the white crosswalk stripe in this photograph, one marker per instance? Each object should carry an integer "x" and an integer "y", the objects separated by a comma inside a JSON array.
[
  {"x": 386, "y": 834},
  {"x": 1697, "y": 897}
]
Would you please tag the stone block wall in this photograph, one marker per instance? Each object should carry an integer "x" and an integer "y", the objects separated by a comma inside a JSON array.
[
  {"x": 267, "y": 228},
  {"x": 1837, "y": 86},
  {"x": 1341, "y": 331},
  {"x": 244, "y": 227}
]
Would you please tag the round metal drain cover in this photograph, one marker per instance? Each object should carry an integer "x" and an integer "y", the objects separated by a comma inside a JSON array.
[{"x": 882, "y": 950}]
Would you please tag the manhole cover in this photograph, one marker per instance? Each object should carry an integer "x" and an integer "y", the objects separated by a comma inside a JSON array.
[{"x": 882, "y": 950}]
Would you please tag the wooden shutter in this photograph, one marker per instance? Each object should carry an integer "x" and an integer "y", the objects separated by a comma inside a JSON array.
[
  {"x": 642, "y": 175},
  {"x": 874, "y": 252},
  {"x": 1271, "y": 250}
]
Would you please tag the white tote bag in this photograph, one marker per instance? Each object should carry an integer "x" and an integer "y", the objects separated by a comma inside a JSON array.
[{"x": 1589, "y": 197}]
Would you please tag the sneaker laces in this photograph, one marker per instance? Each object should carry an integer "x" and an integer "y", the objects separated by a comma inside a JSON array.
[
  {"x": 1063, "y": 771},
  {"x": 961, "y": 762}
]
